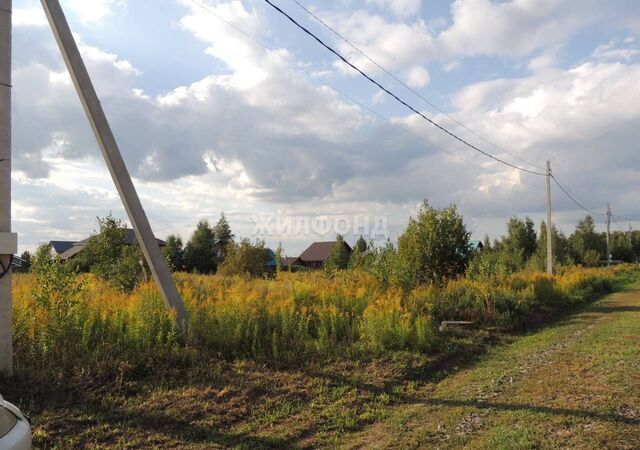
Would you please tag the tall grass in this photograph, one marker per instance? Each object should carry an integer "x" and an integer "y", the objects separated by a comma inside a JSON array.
[{"x": 83, "y": 326}]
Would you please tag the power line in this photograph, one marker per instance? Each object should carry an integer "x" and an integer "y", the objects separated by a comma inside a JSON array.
[
  {"x": 617, "y": 224},
  {"x": 338, "y": 91},
  {"x": 575, "y": 196},
  {"x": 566, "y": 192},
  {"x": 625, "y": 218},
  {"x": 380, "y": 86},
  {"x": 565, "y": 189},
  {"x": 578, "y": 201},
  {"x": 418, "y": 94}
]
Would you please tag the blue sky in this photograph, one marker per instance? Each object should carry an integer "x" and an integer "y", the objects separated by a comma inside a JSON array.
[{"x": 209, "y": 121}]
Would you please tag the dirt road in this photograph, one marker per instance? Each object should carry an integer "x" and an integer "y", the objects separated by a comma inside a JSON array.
[{"x": 575, "y": 384}]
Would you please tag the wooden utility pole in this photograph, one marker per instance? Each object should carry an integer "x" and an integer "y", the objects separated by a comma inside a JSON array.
[
  {"x": 8, "y": 240},
  {"x": 549, "y": 234},
  {"x": 113, "y": 158},
  {"x": 608, "y": 235}
]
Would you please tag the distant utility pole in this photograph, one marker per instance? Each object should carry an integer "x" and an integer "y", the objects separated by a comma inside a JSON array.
[
  {"x": 8, "y": 240},
  {"x": 113, "y": 158},
  {"x": 608, "y": 235},
  {"x": 549, "y": 241}
]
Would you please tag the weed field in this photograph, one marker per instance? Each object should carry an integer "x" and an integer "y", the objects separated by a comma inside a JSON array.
[{"x": 333, "y": 351}]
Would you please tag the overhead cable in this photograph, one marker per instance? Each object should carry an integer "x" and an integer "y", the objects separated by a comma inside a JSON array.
[
  {"x": 396, "y": 97},
  {"x": 406, "y": 86},
  {"x": 338, "y": 91}
]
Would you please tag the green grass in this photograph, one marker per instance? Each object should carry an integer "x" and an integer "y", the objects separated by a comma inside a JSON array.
[
  {"x": 570, "y": 385},
  {"x": 579, "y": 388}
]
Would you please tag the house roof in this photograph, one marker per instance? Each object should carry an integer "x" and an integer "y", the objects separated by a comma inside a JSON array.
[
  {"x": 61, "y": 246},
  {"x": 17, "y": 262},
  {"x": 270, "y": 259},
  {"x": 129, "y": 239},
  {"x": 289, "y": 261},
  {"x": 77, "y": 247},
  {"x": 73, "y": 251},
  {"x": 476, "y": 245},
  {"x": 319, "y": 251}
]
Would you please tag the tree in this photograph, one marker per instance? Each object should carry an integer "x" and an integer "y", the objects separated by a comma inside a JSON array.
[
  {"x": 585, "y": 239},
  {"x": 635, "y": 244},
  {"x": 222, "y": 231},
  {"x": 382, "y": 262},
  {"x": 486, "y": 243},
  {"x": 521, "y": 236},
  {"x": 112, "y": 259},
  {"x": 244, "y": 258},
  {"x": 173, "y": 252},
  {"x": 200, "y": 252},
  {"x": 279, "y": 257},
  {"x": 434, "y": 247},
  {"x": 42, "y": 258},
  {"x": 621, "y": 247},
  {"x": 494, "y": 263},
  {"x": 57, "y": 286},
  {"x": 26, "y": 261},
  {"x": 339, "y": 256},
  {"x": 559, "y": 242},
  {"x": 359, "y": 253}
]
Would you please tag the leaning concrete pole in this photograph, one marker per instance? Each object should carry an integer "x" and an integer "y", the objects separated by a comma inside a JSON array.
[
  {"x": 113, "y": 158},
  {"x": 8, "y": 240},
  {"x": 549, "y": 225}
]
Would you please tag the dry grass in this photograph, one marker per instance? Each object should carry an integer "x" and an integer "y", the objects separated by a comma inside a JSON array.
[{"x": 300, "y": 359}]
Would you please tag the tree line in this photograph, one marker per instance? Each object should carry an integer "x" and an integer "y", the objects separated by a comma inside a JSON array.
[{"x": 434, "y": 247}]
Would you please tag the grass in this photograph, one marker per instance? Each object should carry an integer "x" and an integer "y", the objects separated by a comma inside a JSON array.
[
  {"x": 297, "y": 361},
  {"x": 570, "y": 385}
]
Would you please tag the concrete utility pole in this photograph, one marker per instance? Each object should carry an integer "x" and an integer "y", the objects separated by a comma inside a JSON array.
[
  {"x": 8, "y": 240},
  {"x": 549, "y": 240},
  {"x": 113, "y": 158},
  {"x": 608, "y": 235}
]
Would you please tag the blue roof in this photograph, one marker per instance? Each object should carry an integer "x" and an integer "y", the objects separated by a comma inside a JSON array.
[
  {"x": 271, "y": 258},
  {"x": 61, "y": 246},
  {"x": 475, "y": 244}
]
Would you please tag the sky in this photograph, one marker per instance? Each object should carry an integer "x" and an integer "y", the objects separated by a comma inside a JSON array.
[{"x": 226, "y": 106}]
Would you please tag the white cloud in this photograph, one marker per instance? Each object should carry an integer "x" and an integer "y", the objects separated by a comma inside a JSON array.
[
  {"x": 390, "y": 44},
  {"x": 543, "y": 61},
  {"x": 418, "y": 77},
  {"x": 453, "y": 65},
  {"x": 379, "y": 98},
  {"x": 257, "y": 136},
  {"x": 401, "y": 8},
  {"x": 515, "y": 29},
  {"x": 615, "y": 50},
  {"x": 92, "y": 11},
  {"x": 24, "y": 17}
]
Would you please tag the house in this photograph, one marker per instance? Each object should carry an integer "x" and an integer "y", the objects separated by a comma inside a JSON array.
[
  {"x": 59, "y": 247},
  {"x": 317, "y": 254},
  {"x": 270, "y": 261},
  {"x": 18, "y": 264},
  {"x": 476, "y": 246},
  {"x": 77, "y": 247},
  {"x": 289, "y": 261}
]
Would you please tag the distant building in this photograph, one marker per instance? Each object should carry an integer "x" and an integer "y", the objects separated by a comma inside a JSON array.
[
  {"x": 77, "y": 247},
  {"x": 18, "y": 264},
  {"x": 289, "y": 262},
  {"x": 317, "y": 254},
  {"x": 476, "y": 246},
  {"x": 61, "y": 246},
  {"x": 270, "y": 264}
]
